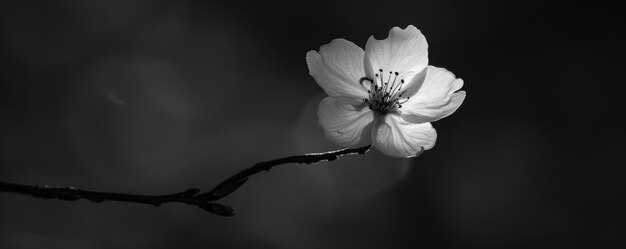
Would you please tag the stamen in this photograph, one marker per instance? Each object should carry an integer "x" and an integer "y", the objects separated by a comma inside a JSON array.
[
  {"x": 398, "y": 87},
  {"x": 388, "y": 80},
  {"x": 394, "y": 80},
  {"x": 385, "y": 96}
]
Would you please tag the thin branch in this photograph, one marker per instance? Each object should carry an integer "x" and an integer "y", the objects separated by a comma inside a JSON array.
[
  {"x": 193, "y": 196},
  {"x": 190, "y": 196},
  {"x": 234, "y": 182}
]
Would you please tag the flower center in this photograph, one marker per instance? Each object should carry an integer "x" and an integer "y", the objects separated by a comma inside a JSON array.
[{"x": 384, "y": 96}]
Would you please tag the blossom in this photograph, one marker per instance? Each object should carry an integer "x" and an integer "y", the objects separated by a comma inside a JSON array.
[{"x": 387, "y": 95}]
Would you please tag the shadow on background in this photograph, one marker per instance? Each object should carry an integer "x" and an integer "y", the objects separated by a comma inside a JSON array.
[{"x": 153, "y": 97}]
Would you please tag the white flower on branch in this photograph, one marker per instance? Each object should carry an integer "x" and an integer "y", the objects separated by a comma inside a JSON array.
[{"x": 387, "y": 95}]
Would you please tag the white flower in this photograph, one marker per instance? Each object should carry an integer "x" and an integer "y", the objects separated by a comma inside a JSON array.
[{"x": 386, "y": 95}]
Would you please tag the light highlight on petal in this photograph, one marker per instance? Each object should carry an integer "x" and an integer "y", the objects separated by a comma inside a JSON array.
[
  {"x": 404, "y": 51},
  {"x": 344, "y": 124},
  {"x": 337, "y": 68},
  {"x": 394, "y": 136},
  {"x": 436, "y": 98}
]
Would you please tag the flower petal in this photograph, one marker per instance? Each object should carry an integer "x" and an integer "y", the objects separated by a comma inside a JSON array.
[
  {"x": 344, "y": 124},
  {"x": 394, "y": 136},
  {"x": 404, "y": 51},
  {"x": 436, "y": 98},
  {"x": 337, "y": 68}
]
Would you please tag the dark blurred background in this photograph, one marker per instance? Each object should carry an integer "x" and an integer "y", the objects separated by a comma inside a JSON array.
[{"x": 154, "y": 97}]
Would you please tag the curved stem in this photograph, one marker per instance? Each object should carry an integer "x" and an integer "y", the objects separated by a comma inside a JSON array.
[
  {"x": 193, "y": 196},
  {"x": 189, "y": 196}
]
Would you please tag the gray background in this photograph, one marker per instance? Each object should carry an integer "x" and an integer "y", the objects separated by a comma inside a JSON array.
[{"x": 154, "y": 97}]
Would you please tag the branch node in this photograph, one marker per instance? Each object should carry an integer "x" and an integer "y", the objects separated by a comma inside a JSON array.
[
  {"x": 192, "y": 196},
  {"x": 191, "y": 192}
]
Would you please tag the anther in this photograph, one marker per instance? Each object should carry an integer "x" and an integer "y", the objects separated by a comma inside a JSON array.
[{"x": 386, "y": 94}]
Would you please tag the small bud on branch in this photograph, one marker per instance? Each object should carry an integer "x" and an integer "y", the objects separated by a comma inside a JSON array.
[{"x": 192, "y": 196}]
